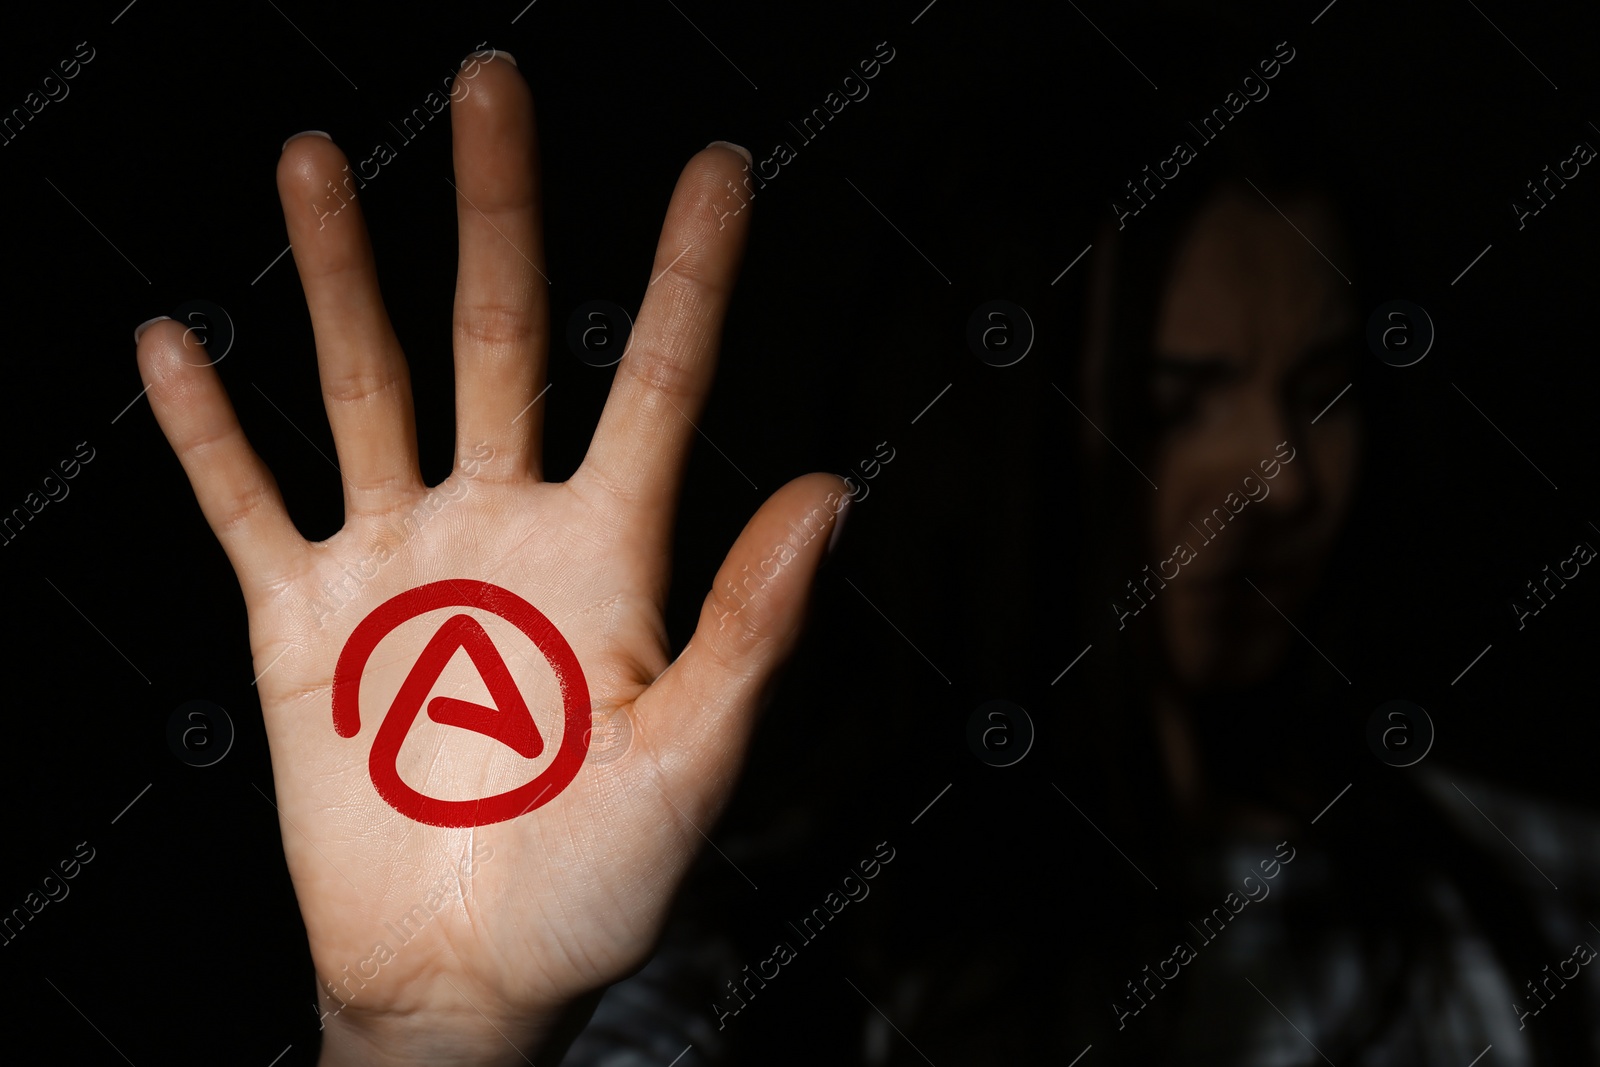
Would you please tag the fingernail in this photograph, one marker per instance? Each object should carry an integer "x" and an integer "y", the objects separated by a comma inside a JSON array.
[
  {"x": 743, "y": 151},
  {"x": 838, "y": 527},
  {"x": 303, "y": 133},
  {"x": 489, "y": 56},
  {"x": 138, "y": 331}
]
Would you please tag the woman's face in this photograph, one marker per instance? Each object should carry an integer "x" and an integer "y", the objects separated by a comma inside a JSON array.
[{"x": 1255, "y": 335}]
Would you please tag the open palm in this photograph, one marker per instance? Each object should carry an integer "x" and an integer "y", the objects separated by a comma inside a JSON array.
[{"x": 455, "y": 931}]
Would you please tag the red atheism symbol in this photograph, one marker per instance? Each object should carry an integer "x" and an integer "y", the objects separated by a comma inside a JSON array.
[{"x": 508, "y": 722}]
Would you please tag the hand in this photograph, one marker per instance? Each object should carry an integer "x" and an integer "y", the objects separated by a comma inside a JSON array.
[{"x": 520, "y": 916}]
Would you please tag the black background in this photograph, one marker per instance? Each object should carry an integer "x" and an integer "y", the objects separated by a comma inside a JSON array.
[{"x": 994, "y": 142}]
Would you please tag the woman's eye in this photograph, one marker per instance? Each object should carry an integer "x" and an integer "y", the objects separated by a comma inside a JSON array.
[
  {"x": 1173, "y": 396},
  {"x": 1177, "y": 390}
]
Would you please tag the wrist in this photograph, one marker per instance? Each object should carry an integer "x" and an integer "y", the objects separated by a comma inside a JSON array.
[{"x": 351, "y": 1038}]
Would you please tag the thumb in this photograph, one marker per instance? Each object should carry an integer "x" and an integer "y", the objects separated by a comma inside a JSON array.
[{"x": 749, "y": 624}]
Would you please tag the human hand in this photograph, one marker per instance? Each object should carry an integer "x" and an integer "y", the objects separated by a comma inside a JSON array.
[{"x": 523, "y": 914}]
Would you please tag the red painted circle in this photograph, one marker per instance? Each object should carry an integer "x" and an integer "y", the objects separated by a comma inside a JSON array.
[{"x": 383, "y": 764}]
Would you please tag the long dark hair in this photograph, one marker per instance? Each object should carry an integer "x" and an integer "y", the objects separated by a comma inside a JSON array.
[
  {"x": 1296, "y": 741},
  {"x": 1000, "y": 992},
  {"x": 1009, "y": 923}
]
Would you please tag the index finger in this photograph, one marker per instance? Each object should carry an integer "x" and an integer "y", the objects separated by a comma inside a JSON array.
[{"x": 642, "y": 442}]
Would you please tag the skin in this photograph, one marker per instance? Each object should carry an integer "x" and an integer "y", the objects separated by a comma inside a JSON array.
[
  {"x": 1253, "y": 338},
  {"x": 577, "y": 889}
]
